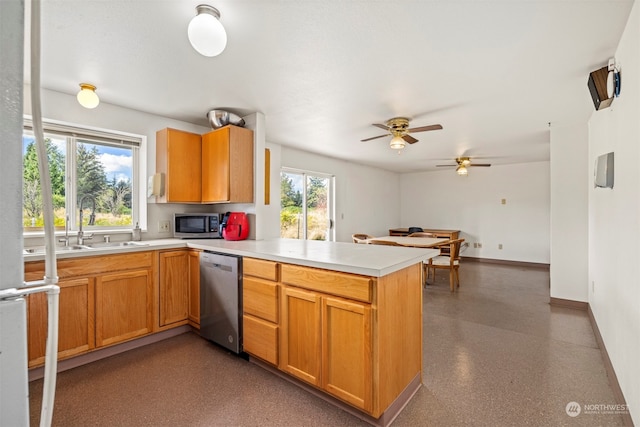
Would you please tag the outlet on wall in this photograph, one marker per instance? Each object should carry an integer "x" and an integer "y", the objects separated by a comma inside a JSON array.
[
  {"x": 499, "y": 245},
  {"x": 479, "y": 245},
  {"x": 164, "y": 226}
]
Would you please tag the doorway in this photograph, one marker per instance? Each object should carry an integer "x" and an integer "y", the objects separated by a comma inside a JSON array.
[{"x": 306, "y": 205}]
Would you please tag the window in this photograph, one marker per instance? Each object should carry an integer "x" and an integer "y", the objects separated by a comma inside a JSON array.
[
  {"x": 306, "y": 205},
  {"x": 102, "y": 170}
]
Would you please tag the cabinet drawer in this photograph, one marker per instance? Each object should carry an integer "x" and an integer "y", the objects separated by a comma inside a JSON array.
[
  {"x": 260, "y": 298},
  {"x": 260, "y": 268},
  {"x": 87, "y": 266},
  {"x": 345, "y": 285},
  {"x": 260, "y": 339}
]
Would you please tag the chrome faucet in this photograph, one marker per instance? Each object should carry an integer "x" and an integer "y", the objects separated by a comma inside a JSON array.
[
  {"x": 92, "y": 219},
  {"x": 65, "y": 240}
]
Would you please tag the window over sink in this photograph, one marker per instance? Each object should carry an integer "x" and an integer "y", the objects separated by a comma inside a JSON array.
[{"x": 102, "y": 169}]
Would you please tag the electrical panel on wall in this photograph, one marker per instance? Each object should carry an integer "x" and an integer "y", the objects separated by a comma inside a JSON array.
[{"x": 603, "y": 173}]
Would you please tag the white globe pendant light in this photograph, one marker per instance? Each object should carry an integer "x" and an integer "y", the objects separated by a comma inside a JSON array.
[
  {"x": 206, "y": 33},
  {"x": 87, "y": 96}
]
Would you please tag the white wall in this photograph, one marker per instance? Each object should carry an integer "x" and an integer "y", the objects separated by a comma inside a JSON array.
[
  {"x": 614, "y": 214},
  {"x": 367, "y": 199},
  {"x": 63, "y": 107},
  {"x": 569, "y": 212},
  {"x": 472, "y": 204}
]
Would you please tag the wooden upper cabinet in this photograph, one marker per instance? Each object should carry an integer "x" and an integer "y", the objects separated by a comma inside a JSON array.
[
  {"x": 179, "y": 157},
  {"x": 227, "y": 165}
]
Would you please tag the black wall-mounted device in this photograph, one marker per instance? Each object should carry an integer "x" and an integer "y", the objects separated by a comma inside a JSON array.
[{"x": 598, "y": 87}]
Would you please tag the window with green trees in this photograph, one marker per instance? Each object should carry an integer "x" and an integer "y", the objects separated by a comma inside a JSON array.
[
  {"x": 98, "y": 170},
  {"x": 306, "y": 205}
]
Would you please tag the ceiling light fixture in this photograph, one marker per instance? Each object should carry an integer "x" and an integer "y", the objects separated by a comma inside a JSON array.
[
  {"x": 87, "y": 96},
  {"x": 397, "y": 143},
  {"x": 206, "y": 33},
  {"x": 462, "y": 170}
]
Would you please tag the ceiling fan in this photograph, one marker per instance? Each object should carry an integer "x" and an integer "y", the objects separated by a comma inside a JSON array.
[
  {"x": 398, "y": 127},
  {"x": 463, "y": 163}
]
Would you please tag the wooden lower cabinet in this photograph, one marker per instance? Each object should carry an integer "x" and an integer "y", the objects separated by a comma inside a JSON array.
[
  {"x": 300, "y": 351},
  {"x": 174, "y": 286},
  {"x": 260, "y": 338},
  {"x": 75, "y": 319},
  {"x": 124, "y": 306},
  {"x": 346, "y": 351},
  {"x": 261, "y": 309},
  {"x": 355, "y": 337},
  {"x": 326, "y": 341},
  {"x": 194, "y": 289}
]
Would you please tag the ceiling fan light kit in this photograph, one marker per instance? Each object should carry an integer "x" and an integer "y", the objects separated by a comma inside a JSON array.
[
  {"x": 397, "y": 143},
  {"x": 398, "y": 128},
  {"x": 462, "y": 163}
]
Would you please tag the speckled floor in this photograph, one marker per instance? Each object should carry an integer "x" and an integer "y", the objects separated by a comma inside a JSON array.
[{"x": 495, "y": 354}]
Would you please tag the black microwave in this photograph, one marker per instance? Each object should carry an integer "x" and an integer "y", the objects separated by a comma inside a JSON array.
[{"x": 196, "y": 226}]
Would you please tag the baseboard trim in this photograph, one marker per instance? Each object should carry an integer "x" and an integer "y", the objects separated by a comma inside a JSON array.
[
  {"x": 608, "y": 366},
  {"x": 567, "y": 303},
  {"x": 92, "y": 356},
  {"x": 507, "y": 262}
]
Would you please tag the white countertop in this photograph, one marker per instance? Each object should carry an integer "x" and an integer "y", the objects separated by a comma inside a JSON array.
[{"x": 369, "y": 260}]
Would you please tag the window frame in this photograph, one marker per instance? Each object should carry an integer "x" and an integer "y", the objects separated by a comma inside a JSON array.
[
  {"x": 331, "y": 198},
  {"x": 74, "y": 134}
]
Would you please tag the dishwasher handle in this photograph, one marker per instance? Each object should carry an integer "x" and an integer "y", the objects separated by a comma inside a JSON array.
[{"x": 220, "y": 266}]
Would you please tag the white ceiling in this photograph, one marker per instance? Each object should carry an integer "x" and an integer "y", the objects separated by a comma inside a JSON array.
[{"x": 493, "y": 73}]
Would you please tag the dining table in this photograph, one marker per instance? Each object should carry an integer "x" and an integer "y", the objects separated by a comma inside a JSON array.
[{"x": 416, "y": 242}]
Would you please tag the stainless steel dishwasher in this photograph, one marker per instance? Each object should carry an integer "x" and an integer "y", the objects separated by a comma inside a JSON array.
[{"x": 221, "y": 299}]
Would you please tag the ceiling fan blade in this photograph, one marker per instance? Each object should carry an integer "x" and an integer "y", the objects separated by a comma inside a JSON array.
[
  {"x": 378, "y": 125},
  {"x": 409, "y": 139},
  {"x": 425, "y": 128},
  {"x": 373, "y": 137},
  {"x": 445, "y": 166},
  {"x": 480, "y": 164}
]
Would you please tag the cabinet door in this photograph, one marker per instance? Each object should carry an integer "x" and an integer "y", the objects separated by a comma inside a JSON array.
[
  {"x": 124, "y": 306},
  {"x": 179, "y": 157},
  {"x": 300, "y": 334},
  {"x": 75, "y": 320},
  {"x": 194, "y": 287},
  {"x": 227, "y": 165},
  {"x": 174, "y": 286},
  {"x": 346, "y": 351}
]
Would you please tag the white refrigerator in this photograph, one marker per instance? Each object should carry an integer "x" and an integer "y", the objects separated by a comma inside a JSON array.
[{"x": 14, "y": 391}]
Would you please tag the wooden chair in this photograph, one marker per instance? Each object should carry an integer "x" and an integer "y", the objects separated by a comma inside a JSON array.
[
  {"x": 360, "y": 238},
  {"x": 450, "y": 262}
]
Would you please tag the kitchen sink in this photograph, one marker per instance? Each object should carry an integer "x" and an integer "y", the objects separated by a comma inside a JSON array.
[
  {"x": 40, "y": 249},
  {"x": 116, "y": 244}
]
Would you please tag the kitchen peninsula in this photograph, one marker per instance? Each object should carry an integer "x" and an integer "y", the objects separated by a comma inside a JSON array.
[{"x": 342, "y": 320}]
